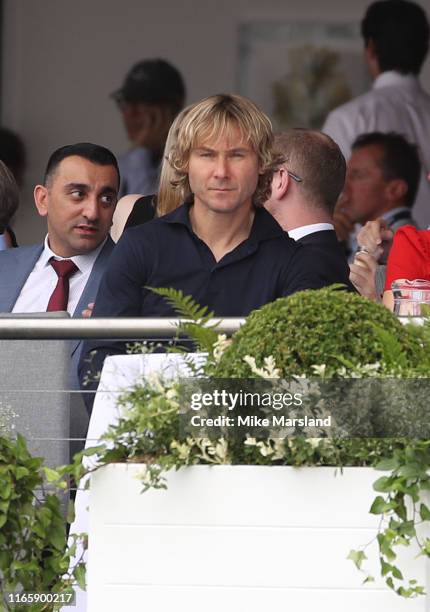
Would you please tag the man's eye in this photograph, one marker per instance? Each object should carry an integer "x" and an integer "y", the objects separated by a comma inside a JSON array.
[
  {"x": 77, "y": 194},
  {"x": 108, "y": 200},
  {"x": 238, "y": 154},
  {"x": 206, "y": 154}
]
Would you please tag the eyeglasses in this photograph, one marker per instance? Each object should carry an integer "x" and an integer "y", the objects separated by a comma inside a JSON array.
[{"x": 295, "y": 177}]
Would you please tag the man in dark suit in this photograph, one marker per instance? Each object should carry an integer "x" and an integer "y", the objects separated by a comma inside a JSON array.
[
  {"x": 78, "y": 198},
  {"x": 305, "y": 189}
]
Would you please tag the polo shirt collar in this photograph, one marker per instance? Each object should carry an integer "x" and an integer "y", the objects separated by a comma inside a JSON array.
[{"x": 264, "y": 226}]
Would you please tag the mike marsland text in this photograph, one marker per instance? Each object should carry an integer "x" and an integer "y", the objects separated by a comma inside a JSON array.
[{"x": 256, "y": 421}]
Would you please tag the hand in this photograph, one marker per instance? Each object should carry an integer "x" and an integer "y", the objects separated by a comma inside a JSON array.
[
  {"x": 363, "y": 275},
  {"x": 376, "y": 238},
  {"x": 88, "y": 311}
]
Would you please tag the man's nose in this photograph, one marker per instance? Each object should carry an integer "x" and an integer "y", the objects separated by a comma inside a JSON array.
[
  {"x": 91, "y": 208},
  {"x": 221, "y": 168}
]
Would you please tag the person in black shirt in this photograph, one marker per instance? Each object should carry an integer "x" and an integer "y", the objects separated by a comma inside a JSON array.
[
  {"x": 221, "y": 247},
  {"x": 305, "y": 189}
]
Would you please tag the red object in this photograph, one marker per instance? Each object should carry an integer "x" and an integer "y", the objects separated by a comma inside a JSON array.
[
  {"x": 60, "y": 296},
  {"x": 409, "y": 256}
]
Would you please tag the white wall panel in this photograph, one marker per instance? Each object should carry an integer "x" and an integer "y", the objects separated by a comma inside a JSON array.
[{"x": 62, "y": 59}]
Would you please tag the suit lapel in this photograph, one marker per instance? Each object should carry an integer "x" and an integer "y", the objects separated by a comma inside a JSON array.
[{"x": 15, "y": 267}]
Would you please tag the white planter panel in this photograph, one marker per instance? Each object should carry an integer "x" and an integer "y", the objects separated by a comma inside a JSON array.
[{"x": 237, "y": 538}]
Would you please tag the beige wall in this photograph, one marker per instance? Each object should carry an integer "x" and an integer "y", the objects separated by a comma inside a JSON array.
[{"x": 62, "y": 59}]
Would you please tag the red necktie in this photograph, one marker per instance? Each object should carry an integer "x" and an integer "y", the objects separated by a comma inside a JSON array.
[{"x": 60, "y": 296}]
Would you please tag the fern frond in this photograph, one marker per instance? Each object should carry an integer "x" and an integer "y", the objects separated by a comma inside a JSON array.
[
  {"x": 197, "y": 325},
  {"x": 184, "y": 305}
]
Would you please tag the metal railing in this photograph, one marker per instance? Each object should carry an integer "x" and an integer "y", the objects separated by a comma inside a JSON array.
[{"x": 121, "y": 328}]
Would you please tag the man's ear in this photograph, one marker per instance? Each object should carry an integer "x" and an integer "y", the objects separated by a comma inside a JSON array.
[
  {"x": 280, "y": 183},
  {"x": 41, "y": 199},
  {"x": 397, "y": 190}
]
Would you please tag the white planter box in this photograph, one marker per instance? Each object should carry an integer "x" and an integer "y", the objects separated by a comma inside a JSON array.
[{"x": 237, "y": 539}]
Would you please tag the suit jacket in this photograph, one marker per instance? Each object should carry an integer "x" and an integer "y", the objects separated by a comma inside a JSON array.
[
  {"x": 329, "y": 257},
  {"x": 17, "y": 264}
]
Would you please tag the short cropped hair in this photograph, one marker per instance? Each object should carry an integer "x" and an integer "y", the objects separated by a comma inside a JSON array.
[
  {"x": 318, "y": 161},
  {"x": 215, "y": 116},
  {"x": 9, "y": 196},
  {"x": 399, "y": 30},
  {"x": 94, "y": 153},
  {"x": 400, "y": 159}
]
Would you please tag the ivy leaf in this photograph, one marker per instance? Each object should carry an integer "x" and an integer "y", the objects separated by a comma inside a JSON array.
[
  {"x": 425, "y": 547},
  {"x": 21, "y": 472},
  {"x": 383, "y": 484},
  {"x": 390, "y": 583},
  {"x": 387, "y": 465},
  {"x": 379, "y": 506},
  {"x": 397, "y": 573},
  {"x": 424, "y": 512},
  {"x": 50, "y": 474},
  {"x": 70, "y": 512},
  {"x": 79, "y": 575},
  {"x": 386, "y": 568},
  {"x": 6, "y": 490},
  {"x": 57, "y": 537},
  {"x": 357, "y": 557}
]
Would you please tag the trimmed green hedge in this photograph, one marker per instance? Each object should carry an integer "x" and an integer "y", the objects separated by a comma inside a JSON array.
[{"x": 328, "y": 326}]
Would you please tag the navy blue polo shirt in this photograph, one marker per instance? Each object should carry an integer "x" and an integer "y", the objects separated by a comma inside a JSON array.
[{"x": 166, "y": 252}]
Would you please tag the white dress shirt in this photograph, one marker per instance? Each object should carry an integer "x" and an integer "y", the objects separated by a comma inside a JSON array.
[
  {"x": 41, "y": 282},
  {"x": 396, "y": 103},
  {"x": 305, "y": 230}
]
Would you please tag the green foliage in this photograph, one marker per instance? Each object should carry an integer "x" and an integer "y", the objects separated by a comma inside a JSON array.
[
  {"x": 33, "y": 554},
  {"x": 340, "y": 333},
  {"x": 402, "y": 509},
  {"x": 197, "y": 326},
  {"x": 330, "y": 327}
]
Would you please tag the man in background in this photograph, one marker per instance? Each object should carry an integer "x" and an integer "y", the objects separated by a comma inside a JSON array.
[
  {"x": 151, "y": 96},
  {"x": 396, "y": 38},
  {"x": 382, "y": 180},
  {"x": 305, "y": 189}
]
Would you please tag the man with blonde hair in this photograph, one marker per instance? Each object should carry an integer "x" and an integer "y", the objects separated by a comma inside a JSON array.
[{"x": 221, "y": 246}]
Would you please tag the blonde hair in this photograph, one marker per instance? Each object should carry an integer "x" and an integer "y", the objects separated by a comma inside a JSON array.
[
  {"x": 208, "y": 120},
  {"x": 168, "y": 196}
]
